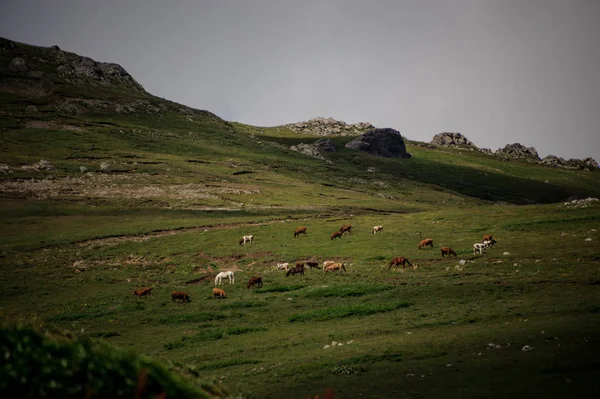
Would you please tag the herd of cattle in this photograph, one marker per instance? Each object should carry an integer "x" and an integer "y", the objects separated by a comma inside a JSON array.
[{"x": 328, "y": 266}]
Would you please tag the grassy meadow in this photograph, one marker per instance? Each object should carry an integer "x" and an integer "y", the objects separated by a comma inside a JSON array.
[{"x": 178, "y": 190}]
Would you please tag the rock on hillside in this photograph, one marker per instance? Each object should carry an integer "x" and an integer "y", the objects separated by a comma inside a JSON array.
[
  {"x": 329, "y": 126},
  {"x": 72, "y": 84},
  {"x": 55, "y": 65},
  {"x": 452, "y": 140},
  {"x": 382, "y": 143},
  {"x": 518, "y": 151},
  {"x": 315, "y": 149},
  {"x": 582, "y": 164}
]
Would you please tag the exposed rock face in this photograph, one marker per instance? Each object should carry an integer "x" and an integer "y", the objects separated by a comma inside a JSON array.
[
  {"x": 518, "y": 151},
  {"x": 382, "y": 143},
  {"x": 324, "y": 145},
  {"x": 54, "y": 65},
  {"x": 316, "y": 149},
  {"x": 452, "y": 140},
  {"x": 329, "y": 126}
]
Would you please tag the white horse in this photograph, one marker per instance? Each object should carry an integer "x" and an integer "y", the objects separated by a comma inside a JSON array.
[
  {"x": 222, "y": 275},
  {"x": 246, "y": 239},
  {"x": 377, "y": 229},
  {"x": 283, "y": 266}
]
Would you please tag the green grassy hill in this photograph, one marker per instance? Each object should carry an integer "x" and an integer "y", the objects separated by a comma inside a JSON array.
[{"x": 142, "y": 191}]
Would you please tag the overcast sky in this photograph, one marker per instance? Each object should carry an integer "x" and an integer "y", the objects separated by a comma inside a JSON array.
[{"x": 497, "y": 71}]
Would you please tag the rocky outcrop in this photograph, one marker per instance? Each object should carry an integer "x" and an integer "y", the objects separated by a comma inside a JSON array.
[
  {"x": 52, "y": 64},
  {"x": 518, "y": 151},
  {"x": 581, "y": 164},
  {"x": 315, "y": 149},
  {"x": 452, "y": 140},
  {"x": 329, "y": 126},
  {"x": 382, "y": 143}
]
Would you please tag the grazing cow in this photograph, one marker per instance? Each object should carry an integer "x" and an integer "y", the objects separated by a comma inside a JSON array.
[
  {"x": 219, "y": 293},
  {"x": 490, "y": 243},
  {"x": 337, "y": 234},
  {"x": 313, "y": 264},
  {"x": 487, "y": 237},
  {"x": 478, "y": 247},
  {"x": 300, "y": 230},
  {"x": 377, "y": 229},
  {"x": 283, "y": 266},
  {"x": 229, "y": 275},
  {"x": 447, "y": 251},
  {"x": 425, "y": 242},
  {"x": 347, "y": 228},
  {"x": 246, "y": 239},
  {"x": 335, "y": 267},
  {"x": 399, "y": 261},
  {"x": 146, "y": 291},
  {"x": 180, "y": 295},
  {"x": 255, "y": 280},
  {"x": 295, "y": 270}
]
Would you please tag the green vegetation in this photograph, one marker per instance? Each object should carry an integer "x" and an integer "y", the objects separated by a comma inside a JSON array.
[{"x": 180, "y": 187}]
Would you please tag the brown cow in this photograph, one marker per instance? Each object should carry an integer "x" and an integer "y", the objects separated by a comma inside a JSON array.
[
  {"x": 447, "y": 251},
  {"x": 327, "y": 263},
  {"x": 219, "y": 293},
  {"x": 337, "y": 234},
  {"x": 255, "y": 280},
  {"x": 143, "y": 292},
  {"x": 184, "y": 297},
  {"x": 347, "y": 228},
  {"x": 425, "y": 242},
  {"x": 335, "y": 267},
  {"x": 300, "y": 230},
  {"x": 487, "y": 237},
  {"x": 399, "y": 261}
]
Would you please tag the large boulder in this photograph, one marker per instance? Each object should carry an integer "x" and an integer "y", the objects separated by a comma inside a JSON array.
[
  {"x": 518, "y": 151},
  {"x": 381, "y": 143},
  {"x": 452, "y": 140}
]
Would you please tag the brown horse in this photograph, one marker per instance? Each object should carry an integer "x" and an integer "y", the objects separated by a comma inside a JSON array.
[
  {"x": 313, "y": 264},
  {"x": 143, "y": 292},
  {"x": 295, "y": 270},
  {"x": 399, "y": 261},
  {"x": 337, "y": 234},
  {"x": 219, "y": 293},
  {"x": 425, "y": 242},
  {"x": 447, "y": 251},
  {"x": 255, "y": 280},
  {"x": 300, "y": 230},
  {"x": 184, "y": 297},
  {"x": 347, "y": 228}
]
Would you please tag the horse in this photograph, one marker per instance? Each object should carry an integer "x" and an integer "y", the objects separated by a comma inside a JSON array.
[
  {"x": 347, "y": 228},
  {"x": 399, "y": 261},
  {"x": 255, "y": 280},
  {"x": 335, "y": 267},
  {"x": 222, "y": 275},
  {"x": 219, "y": 293},
  {"x": 246, "y": 239},
  {"x": 184, "y": 297},
  {"x": 283, "y": 266},
  {"x": 425, "y": 242},
  {"x": 447, "y": 251},
  {"x": 313, "y": 264},
  {"x": 377, "y": 229},
  {"x": 295, "y": 270},
  {"x": 143, "y": 292},
  {"x": 300, "y": 230},
  {"x": 337, "y": 234}
]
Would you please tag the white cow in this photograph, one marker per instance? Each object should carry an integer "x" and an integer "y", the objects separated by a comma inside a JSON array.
[
  {"x": 377, "y": 229},
  {"x": 283, "y": 266}
]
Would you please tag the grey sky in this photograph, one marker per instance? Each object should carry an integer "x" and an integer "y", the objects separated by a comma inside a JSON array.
[{"x": 499, "y": 71}]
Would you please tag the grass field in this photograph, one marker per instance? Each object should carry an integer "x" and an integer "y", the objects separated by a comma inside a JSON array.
[{"x": 181, "y": 189}]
